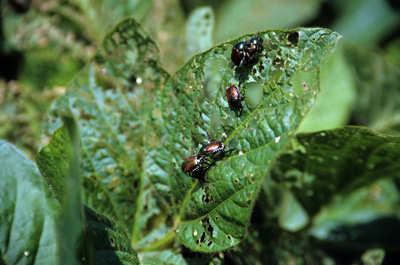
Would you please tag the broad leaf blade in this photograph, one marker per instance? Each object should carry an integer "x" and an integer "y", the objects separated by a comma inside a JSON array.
[
  {"x": 110, "y": 99},
  {"x": 53, "y": 161},
  {"x": 214, "y": 217},
  {"x": 28, "y": 212},
  {"x": 317, "y": 166},
  {"x": 100, "y": 239}
]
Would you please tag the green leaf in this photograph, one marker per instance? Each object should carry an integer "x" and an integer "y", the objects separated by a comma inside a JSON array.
[
  {"x": 100, "y": 238},
  {"x": 372, "y": 209},
  {"x": 28, "y": 212},
  {"x": 53, "y": 161},
  {"x": 317, "y": 166},
  {"x": 71, "y": 222},
  {"x": 335, "y": 103},
  {"x": 107, "y": 241},
  {"x": 214, "y": 216},
  {"x": 110, "y": 99}
]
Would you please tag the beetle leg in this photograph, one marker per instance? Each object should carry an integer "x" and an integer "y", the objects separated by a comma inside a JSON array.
[
  {"x": 229, "y": 151},
  {"x": 209, "y": 138}
]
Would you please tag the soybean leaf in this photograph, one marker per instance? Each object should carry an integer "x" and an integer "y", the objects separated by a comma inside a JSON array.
[
  {"x": 280, "y": 89},
  {"x": 107, "y": 241},
  {"x": 110, "y": 99},
  {"x": 101, "y": 239},
  {"x": 362, "y": 218},
  {"x": 269, "y": 244},
  {"x": 53, "y": 160},
  {"x": 317, "y": 166},
  {"x": 334, "y": 104},
  {"x": 28, "y": 212},
  {"x": 71, "y": 220}
]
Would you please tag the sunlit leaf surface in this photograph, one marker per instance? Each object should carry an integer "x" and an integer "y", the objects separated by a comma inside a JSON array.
[{"x": 279, "y": 89}]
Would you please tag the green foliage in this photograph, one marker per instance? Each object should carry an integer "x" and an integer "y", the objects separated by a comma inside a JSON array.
[
  {"x": 215, "y": 216},
  {"x": 84, "y": 234},
  {"x": 317, "y": 166},
  {"x": 113, "y": 168},
  {"x": 116, "y": 90},
  {"x": 114, "y": 140},
  {"x": 28, "y": 212},
  {"x": 53, "y": 162},
  {"x": 336, "y": 100}
]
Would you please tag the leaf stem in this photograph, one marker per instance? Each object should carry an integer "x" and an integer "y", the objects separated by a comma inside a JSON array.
[{"x": 182, "y": 208}]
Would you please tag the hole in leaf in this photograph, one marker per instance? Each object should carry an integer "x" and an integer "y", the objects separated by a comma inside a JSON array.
[
  {"x": 277, "y": 62},
  {"x": 210, "y": 229},
  {"x": 112, "y": 240},
  {"x": 293, "y": 38},
  {"x": 209, "y": 243},
  {"x": 203, "y": 237},
  {"x": 229, "y": 237},
  {"x": 99, "y": 59},
  {"x": 248, "y": 202},
  {"x": 135, "y": 183},
  {"x": 261, "y": 67},
  {"x": 132, "y": 79},
  {"x": 207, "y": 226},
  {"x": 216, "y": 218}
]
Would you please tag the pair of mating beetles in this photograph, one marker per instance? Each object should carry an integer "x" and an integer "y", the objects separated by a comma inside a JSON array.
[
  {"x": 197, "y": 165},
  {"x": 244, "y": 53}
]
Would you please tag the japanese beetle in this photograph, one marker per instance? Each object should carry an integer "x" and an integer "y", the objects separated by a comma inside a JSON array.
[
  {"x": 239, "y": 53},
  {"x": 244, "y": 52},
  {"x": 212, "y": 148},
  {"x": 195, "y": 166},
  {"x": 255, "y": 45},
  {"x": 234, "y": 98}
]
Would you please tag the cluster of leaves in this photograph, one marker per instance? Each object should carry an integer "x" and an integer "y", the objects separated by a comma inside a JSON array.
[{"x": 110, "y": 188}]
